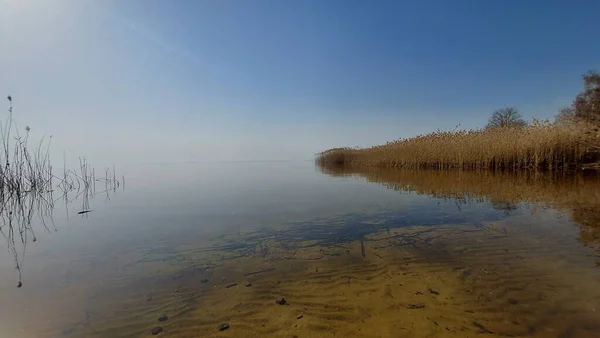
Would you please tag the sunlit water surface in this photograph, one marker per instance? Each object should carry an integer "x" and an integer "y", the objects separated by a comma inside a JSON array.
[{"x": 355, "y": 253}]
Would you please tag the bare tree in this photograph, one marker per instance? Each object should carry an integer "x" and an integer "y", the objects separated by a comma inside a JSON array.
[
  {"x": 587, "y": 103},
  {"x": 586, "y": 106},
  {"x": 565, "y": 115},
  {"x": 506, "y": 117}
]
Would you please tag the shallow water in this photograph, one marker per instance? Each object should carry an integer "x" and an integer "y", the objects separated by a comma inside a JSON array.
[{"x": 358, "y": 253}]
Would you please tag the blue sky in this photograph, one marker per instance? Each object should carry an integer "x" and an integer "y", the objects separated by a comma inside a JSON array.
[{"x": 148, "y": 80}]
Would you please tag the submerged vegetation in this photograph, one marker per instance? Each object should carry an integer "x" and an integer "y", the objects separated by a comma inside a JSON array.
[
  {"x": 572, "y": 142},
  {"x": 28, "y": 184}
]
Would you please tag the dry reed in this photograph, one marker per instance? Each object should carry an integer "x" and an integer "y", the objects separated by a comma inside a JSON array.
[
  {"x": 28, "y": 182},
  {"x": 541, "y": 146}
]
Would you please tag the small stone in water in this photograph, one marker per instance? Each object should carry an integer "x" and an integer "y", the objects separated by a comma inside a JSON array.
[
  {"x": 248, "y": 283},
  {"x": 67, "y": 332},
  {"x": 281, "y": 302},
  {"x": 224, "y": 326},
  {"x": 156, "y": 330},
  {"x": 163, "y": 318}
]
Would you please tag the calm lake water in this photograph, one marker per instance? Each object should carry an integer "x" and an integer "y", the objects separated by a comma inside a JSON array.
[{"x": 354, "y": 253}]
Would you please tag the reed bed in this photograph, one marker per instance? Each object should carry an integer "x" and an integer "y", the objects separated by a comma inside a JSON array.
[{"x": 541, "y": 146}]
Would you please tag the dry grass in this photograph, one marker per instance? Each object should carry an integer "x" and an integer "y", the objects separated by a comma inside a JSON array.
[{"x": 540, "y": 146}]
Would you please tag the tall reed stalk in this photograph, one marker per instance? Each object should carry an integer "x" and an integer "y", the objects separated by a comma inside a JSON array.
[
  {"x": 27, "y": 185},
  {"x": 542, "y": 146}
]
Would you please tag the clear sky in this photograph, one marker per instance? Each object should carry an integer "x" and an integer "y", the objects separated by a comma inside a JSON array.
[{"x": 149, "y": 80}]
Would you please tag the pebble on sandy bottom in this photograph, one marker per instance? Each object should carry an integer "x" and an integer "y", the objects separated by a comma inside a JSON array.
[
  {"x": 224, "y": 326},
  {"x": 156, "y": 330},
  {"x": 163, "y": 318}
]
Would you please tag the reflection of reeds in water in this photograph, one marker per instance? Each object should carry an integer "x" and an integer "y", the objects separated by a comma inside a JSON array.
[
  {"x": 577, "y": 194},
  {"x": 27, "y": 185}
]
